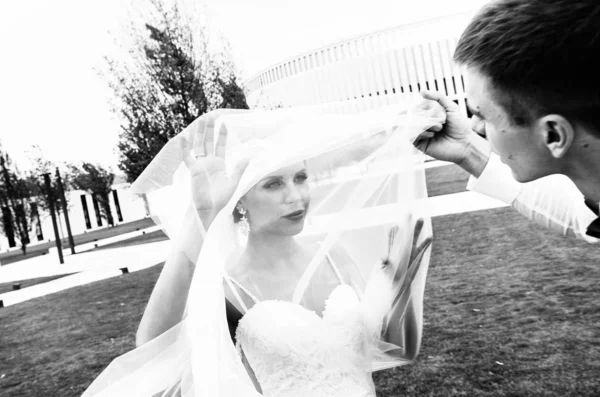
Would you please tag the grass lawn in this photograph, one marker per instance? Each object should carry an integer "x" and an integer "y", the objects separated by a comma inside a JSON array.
[
  {"x": 510, "y": 310},
  {"x": 446, "y": 179}
]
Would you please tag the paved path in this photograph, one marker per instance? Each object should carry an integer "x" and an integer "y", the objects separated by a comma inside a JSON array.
[
  {"x": 87, "y": 268},
  {"x": 81, "y": 268},
  {"x": 86, "y": 258},
  {"x": 106, "y": 263}
]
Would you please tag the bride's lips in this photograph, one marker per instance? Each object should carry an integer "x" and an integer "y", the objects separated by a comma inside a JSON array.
[{"x": 295, "y": 216}]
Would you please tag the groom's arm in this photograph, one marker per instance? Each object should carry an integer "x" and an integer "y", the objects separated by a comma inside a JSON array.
[{"x": 553, "y": 202}]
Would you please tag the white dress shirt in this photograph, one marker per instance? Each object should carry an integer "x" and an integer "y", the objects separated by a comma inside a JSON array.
[{"x": 553, "y": 201}]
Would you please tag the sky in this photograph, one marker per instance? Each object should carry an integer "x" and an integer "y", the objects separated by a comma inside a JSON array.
[{"x": 51, "y": 94}]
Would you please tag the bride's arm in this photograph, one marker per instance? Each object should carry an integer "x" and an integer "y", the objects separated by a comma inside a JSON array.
[
  {"x": 211, "y": 189},
  {"x": 167, "y": 302}
]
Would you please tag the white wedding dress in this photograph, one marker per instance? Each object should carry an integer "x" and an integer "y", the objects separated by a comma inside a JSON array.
[{"x": 295, "y": 352}]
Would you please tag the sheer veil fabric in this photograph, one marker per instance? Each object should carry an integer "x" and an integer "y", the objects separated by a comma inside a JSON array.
[{"x": 365, "y": 177}]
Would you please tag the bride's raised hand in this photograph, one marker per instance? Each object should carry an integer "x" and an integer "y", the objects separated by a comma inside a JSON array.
[
  {"x": 402, "y": 268},
  {"x": 211, "y": 188}
]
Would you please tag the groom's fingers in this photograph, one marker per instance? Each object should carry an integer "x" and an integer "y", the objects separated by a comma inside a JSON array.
[
  {"x": 422, "y": 144},
  {"x": 429, "y": 133},
  {"x": 443, "y": 100}
]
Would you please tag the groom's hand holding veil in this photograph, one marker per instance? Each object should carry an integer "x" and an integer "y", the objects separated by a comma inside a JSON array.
[
  {"x": 205, "y": 160},
  {"x": 456, "y": 141}
]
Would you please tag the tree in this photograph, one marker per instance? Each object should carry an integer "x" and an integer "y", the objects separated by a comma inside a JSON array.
[
  {"x": 40, "y": 165},
  {"x": 97, "y": 180},
  {"x": 169, "y": 79},
  {"x": 15, "y": 200}
]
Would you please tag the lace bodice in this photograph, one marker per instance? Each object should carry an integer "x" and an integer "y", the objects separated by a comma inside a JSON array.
[{"x": 294, "y": 352}]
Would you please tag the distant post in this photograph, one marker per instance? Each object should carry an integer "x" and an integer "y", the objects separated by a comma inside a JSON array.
[
  {"x": 61, "y": 191},
  {"x": 53, "y": 215}
]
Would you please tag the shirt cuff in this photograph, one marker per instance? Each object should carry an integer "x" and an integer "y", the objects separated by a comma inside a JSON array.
[{"x": 496, "y": 181}]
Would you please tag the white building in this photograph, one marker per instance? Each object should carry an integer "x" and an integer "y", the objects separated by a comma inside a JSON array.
[
  {"x": 84, "y": 216},
  {"x": 368, "y": 71}
]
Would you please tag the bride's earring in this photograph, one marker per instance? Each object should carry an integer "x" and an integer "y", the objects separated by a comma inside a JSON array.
[{"x": 243, "y": 223}]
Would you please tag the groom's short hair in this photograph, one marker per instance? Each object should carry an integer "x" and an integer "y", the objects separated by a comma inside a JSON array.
[{"x": 542, "y": 57}]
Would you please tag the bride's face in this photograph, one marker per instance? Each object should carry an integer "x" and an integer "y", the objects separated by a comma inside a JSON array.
[{"x": 278, "y": 203}]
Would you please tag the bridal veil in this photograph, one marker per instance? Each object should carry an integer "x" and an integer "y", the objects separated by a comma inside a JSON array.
[{"x": 365, "y": 178}]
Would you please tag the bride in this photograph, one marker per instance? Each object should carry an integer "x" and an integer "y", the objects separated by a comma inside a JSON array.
[{"x": 294, "y": 271}]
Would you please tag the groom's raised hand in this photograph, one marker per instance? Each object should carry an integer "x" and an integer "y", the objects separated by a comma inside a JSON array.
[{"x": 456, "y": 141}]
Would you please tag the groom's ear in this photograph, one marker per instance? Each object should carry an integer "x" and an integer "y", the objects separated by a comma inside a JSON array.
[{"x": 558, "y": 134}]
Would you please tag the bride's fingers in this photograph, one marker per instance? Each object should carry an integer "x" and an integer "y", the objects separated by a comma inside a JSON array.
[
  {"x": 416, "y": 233},
  {"x": 392, "y": 237},
  {"x": 394, "y": 246},
  {"x": 221, "y": 142},
  {"x": 415, "y": 263},
  {"x": 209, "y": 135},
  {"x": 184, "y": 149},
  {"x": 418, "y": 228},
  {"x": 198, "y": 136},
  {"x": 413, "y": 269},
  {"x": 396, "y": 259},
  {"x": 416, "y": 255},
  {"x": 239, "y": 170}
]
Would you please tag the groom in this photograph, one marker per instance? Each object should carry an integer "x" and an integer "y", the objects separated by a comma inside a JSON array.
[{"x": 532, "y": 77}]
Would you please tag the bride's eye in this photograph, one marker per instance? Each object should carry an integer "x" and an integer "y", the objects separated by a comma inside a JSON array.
[
  {"x": 301, "y": 178},
  {"x": 273, "y": 184}
]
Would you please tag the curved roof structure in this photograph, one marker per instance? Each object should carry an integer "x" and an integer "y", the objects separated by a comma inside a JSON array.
[{"x": 367, "y": 71}]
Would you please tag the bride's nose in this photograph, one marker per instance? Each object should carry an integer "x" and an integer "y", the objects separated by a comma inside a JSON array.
[{"x": 292, "y": 194}]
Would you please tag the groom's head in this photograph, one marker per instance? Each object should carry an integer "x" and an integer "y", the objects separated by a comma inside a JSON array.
[{"x": 533, "y": 81}]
